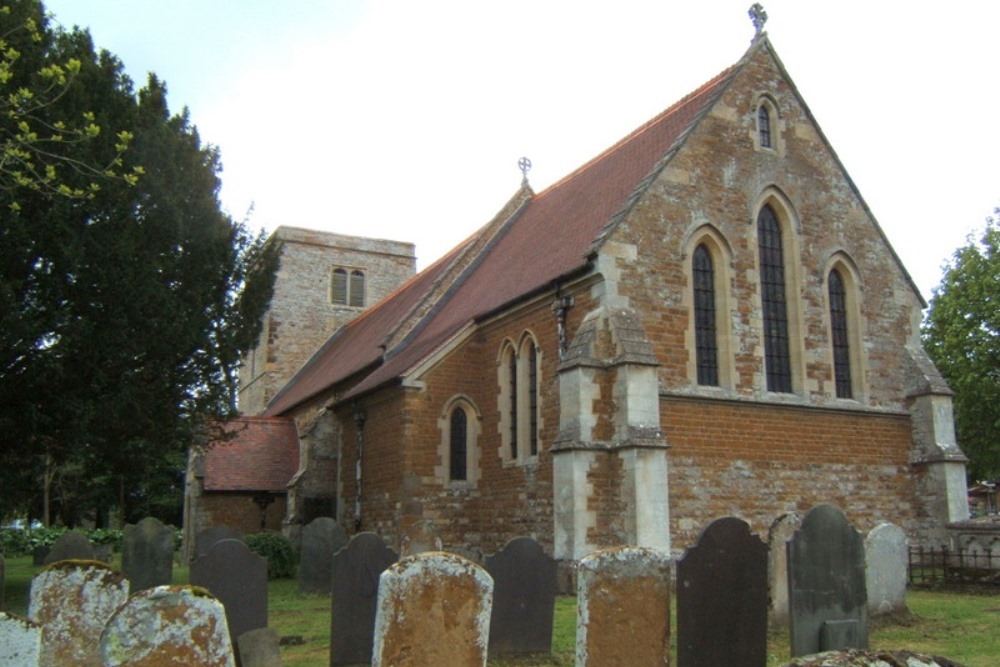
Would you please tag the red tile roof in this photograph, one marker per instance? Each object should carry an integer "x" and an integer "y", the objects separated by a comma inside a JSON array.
[
  {"x": 548, "y": 239},
  {"x": 262, "y": 455}
]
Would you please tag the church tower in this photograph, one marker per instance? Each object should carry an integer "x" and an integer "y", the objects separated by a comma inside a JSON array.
[{"x": 324, "y": 281}]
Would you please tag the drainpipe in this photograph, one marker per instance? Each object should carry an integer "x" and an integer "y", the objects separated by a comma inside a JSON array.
[{"x": 359, "y": 430}]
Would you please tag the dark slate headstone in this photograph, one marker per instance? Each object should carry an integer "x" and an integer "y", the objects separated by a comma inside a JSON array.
[
  {"x": 238, "y": 578},
  {"x": 524, "y": 598},
  {"x": 356, "y": 571},
  {"x": 207, "y": 538},
  {"x": 828, "y": 606},
  {"x": 71, "y": 545},
  {"x": 321, "y": 539},
  {"x": 722, "y": 598},
  {"x": 148, "y": 554}
]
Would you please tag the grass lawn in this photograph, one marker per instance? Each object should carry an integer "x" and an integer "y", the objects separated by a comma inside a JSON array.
[{"x": 962, "y": 627}]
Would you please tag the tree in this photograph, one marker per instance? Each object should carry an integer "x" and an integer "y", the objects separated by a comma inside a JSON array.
[
  {"x": 123, "y": 312},
  {"x": 962, "y": 336}
]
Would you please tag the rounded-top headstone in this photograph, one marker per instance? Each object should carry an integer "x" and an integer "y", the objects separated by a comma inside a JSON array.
[{"x": 886, "y": 564}]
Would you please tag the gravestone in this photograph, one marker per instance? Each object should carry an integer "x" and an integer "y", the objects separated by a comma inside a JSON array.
[
  {"x": 238, "y": 578},
  {"x": 722, "y": 598},
  {"x": 826, "y": 584},
  {"x": 209, "y": 537},
  {"x": 3, "y": 581},
  {"x": 320, "y": 539},
  {"x": 168, "y": 625},
  {"x": 71, "y": 545},
  {"x": 777, "y": 573},
  {"x": 433, "y": 609},
  {"x": 524, "y": 598},
  {"x": 148, "y": 554},
  {"x": 886, "y": 562},
  {"x": 623, "y": 608},
  {"x": 20, "y": 641},
  {"x": 71, "y": 601},
  {"x": 417, "y": 535},
  {"x": 354, "y": 597},
  {"x": 259, "y": 648}
]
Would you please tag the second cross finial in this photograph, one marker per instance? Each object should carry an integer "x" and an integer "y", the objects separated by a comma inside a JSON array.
[{"x": 759, "y": 17}]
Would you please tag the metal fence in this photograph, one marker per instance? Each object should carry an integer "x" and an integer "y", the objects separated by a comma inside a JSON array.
[{"x": 942, "y": 566}]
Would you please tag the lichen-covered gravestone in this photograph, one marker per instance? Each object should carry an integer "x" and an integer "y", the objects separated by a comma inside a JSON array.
[
  {"x": 826, "y": 584},
  {"x": 623, "y": 608},
  {"x": 148, "y": 554},
  {"x": 168, "y": 625},
  {"x": 71, "y": 545},
  {"x": 722, "y": 598},
  {"x": 524, "y": 597},
  {"x": 71, "y": 601},
  {"x": 20, "y": 641},
  {"x": 321, "y": 538},
  {"x": 886, "y": 560},
  {"x": 356, "y": 572},
  {"x": 238, "y": 578},
  {"x": 433, "y": 609}
]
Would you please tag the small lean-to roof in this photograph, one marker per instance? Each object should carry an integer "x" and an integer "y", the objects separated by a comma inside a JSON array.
[
  {"x": 261, "y": 454},
  {"x": 552, "y": 235}
]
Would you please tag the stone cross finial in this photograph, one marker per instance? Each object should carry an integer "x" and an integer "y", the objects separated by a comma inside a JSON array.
[
  {"x": 524, "y": 164},
  {"x": 758, "y": 16}
]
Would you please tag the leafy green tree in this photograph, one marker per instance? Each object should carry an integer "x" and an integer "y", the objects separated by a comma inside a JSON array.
[
  {"x": 124, "y": 311},
  {"x": 962, "y": 336}
]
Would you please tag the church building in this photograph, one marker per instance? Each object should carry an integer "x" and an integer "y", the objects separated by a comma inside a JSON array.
[{"x": 703, "y": 320}]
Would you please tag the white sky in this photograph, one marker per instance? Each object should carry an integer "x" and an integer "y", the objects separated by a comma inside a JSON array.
[{"x": 405, "y": 120}]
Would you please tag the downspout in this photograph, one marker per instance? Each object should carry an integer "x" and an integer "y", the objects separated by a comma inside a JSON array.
[{"x": 359, "y": 430}]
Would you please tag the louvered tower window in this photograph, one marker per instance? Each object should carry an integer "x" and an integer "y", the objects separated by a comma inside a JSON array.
[
  {"x": 775, "y": 315},
  {"x": 706, "y": 342},
  {"x": 338, "y": 287},
  {"x": 838, "y": 335}
]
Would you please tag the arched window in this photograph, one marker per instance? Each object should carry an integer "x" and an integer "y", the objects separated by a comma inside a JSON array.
[
  {"x": 533, "y": 400},
  {"x": 773, "y": 302},
  {"x": 839, "y": 335},
  {"x": 357, "y": 289},
  {"x": 519, "y": 401},
  {"x": 706, "y": 337},
  {"x": 514, "y": 400},
  {"x": 338, "y": 287},
  {"x": 764, "y": 125},
  {"x": 458, "y": 445}
]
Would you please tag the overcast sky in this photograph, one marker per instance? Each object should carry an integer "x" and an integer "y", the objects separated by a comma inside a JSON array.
[{"x": 405, "y": 120}]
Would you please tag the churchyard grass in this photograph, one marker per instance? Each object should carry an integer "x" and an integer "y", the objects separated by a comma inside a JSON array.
[{"x": 961, "y": 627}]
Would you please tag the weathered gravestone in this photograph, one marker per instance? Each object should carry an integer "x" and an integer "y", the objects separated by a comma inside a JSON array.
[
  {"x": 433, "y": 609},
  {"x": 3, "y": 582},
  {"x": 71, "y": 545},
  {"x": 320, "y": 539},
  {"x": 826, "y": 584},
  {"x": 259, "y": 648},
  {"x": 356, "y": 571},
  {"x": 148, "y": 554},
  {"x": 886, "y": 561},
  {"x": 168, "y": 625},
  {"x": 777, "y": 572},
  {"x": 722, "y": 598},
  {"x": 209, "y": 537},
  {"x": 20, "y": 641},
  {"x": 417, "y": 535},
  {"x": 238, "y": 578},
  {"x": 623, "y": 608},
  {"x": 524, "y": 598},
  {"x": 71, "y": 601}
]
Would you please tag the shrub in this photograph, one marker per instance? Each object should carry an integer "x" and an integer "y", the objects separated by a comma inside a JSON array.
[{"x": 279, "y": 552}]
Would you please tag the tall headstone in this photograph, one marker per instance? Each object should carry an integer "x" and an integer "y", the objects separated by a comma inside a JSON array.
[
  {"x": 148, "y": 554},
  {"x": 623, "y": 608},
  {"x": 238, "y": 578},
  {"x": 71, "y": 601},
  {"x": 168, "y": 625},
  {"x": 777, "y": 573},
  {"x": 722, "y": 598},
  {"x": 826, "y": 584},
  {"x": 71, "y": 545},
  {"x": 356, "y": 571},
  {"x": 20, "y": 641},
  {"x": 433, "y": 609},
  {"x": 321, "y": 538},
  {"x": 524, "y": 598},
  {"x": 887, "y": 561},
  {"x": 208, "y": 538}
]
